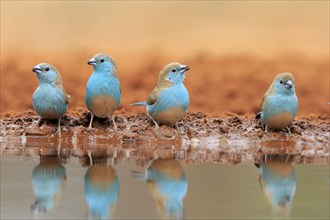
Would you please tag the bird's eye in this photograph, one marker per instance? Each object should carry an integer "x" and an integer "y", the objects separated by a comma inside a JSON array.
[
  {"x": 173, "y": 70},
  {"x": 281, "y": 81},
  {"x": 47, "y": 68},
  {"x": 102, "y": 60}
]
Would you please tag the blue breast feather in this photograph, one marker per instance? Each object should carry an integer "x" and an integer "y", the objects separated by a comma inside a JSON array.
[
  {"x": 174, "y": 96},
  {"x": 49, "y": 99},
  {"x": 102, "y": 84},
  {"x": 279, "y": 104}
]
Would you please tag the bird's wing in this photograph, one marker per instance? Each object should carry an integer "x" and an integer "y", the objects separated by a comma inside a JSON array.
[
  {"x": 153, "y": 97},
  {"x": 270, "y": 91},
  {"x": 263, "y": 101},
  {"x": 66, "y": 96}
]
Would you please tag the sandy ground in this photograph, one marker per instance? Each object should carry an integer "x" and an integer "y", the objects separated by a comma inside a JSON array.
[{"x": 197, "y": 137}]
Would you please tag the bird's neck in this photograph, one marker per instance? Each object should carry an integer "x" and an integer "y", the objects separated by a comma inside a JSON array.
[
  {"x": 43, "y": 83},
  {"x": 287, "y": 92},
  {"x": 163, "y": 83},
  {"x": 54, "y": 80},
  {"x": 105, "y": 71}
]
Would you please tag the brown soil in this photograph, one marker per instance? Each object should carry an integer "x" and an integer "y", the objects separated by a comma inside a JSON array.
[{"x": 198, "y": 137}]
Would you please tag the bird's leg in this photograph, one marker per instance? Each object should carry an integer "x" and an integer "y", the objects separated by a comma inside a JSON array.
[
  {"x": 266, "y": 129},
  {"x": 89, "y": 154},
  {"x": 39, "y": 120},
  {"x": 59, "y": 127},
  {"x": 59, "y": 150},
  {"x": 90, "y": 123},
  {"x": 114, "y": 123},
  {"x": 157, "y": 126},
  {"x": 289, "y": 131},
  {"x": 176, "y": 129},
  {"x": 287, "y": 158}
]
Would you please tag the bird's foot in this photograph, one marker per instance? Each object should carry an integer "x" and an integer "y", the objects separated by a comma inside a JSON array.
[
  {"x": 156, "y": 124},
  {"x": 38, "y": 121},
  {"x": 266, "y": 129},
  {"x": 59, "y": 128},
  {"x": 90, "y": 122},
  {"x": 289, "y": 131},
  {"x": 114, "y": 123},
  {"x": 287, "y": 158}
]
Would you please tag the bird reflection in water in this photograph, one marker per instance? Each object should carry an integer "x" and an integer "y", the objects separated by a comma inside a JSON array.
[
  {"x": 48, "y": 181},
  {"x": 278, "y": 182},
  {"x": 167, "y": 184},
  {"x": 101, "y": 189}
]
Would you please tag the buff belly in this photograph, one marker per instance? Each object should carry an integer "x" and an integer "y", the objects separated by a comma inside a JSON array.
[
  {"x": 50, "y": 115},
  {"x": 169, "y": 116},
  {"x": 103, "y": 106},
  {"x": 279, "y": 121}
]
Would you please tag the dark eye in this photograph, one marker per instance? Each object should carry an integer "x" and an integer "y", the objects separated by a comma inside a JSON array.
[
  {"x": 173, "y": 70},
  {"x": 281, "y": 81},
  {"x": 102, "y": 60},
  {"x": 47, "y": 68}
]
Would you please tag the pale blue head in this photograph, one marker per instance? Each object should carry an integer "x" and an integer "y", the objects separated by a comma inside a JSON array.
[
  {"x": 284, "y": 84},
  {"x": 174, "y": 73},
  {"x": 103, "y": 63},
  {"x": 47, "y": 73}
]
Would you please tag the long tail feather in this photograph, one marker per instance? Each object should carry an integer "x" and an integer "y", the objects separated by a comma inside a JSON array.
[{"x": 139, "y": 104}]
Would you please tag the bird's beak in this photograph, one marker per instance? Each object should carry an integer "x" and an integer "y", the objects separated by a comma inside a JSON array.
[
  {"x": 92, "y": 62},
  {"x": 183, "y": 68},
  {"x": 289, "y": 84},
  {"x": 36, "y": 69}
]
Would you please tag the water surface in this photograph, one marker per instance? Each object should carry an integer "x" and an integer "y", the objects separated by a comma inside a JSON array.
[{"x": 59, "y": 187}]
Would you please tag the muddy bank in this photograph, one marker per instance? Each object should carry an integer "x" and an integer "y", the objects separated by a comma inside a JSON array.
[{"x": 197, "y": 137}]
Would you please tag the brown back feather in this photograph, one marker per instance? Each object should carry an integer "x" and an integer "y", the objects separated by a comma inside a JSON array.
[{"x": 153, "y": 97}]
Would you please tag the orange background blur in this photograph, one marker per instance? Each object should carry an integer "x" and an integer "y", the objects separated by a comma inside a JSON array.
[{"x": 234, "y": 49}]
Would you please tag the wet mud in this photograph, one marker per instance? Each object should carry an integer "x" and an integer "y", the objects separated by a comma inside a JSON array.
[{"x": 198, "y": 137}]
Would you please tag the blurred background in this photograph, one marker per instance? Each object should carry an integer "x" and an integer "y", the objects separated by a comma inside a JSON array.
[{"x": 234, "y": 49}]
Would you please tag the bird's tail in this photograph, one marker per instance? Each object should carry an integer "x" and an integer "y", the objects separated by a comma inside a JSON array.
[
  {"x": 139, "y": 104},
  {"x": 138, "y": 175}
]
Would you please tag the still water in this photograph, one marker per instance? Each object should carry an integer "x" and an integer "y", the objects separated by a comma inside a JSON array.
[{"x": 49, "y": 187}]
